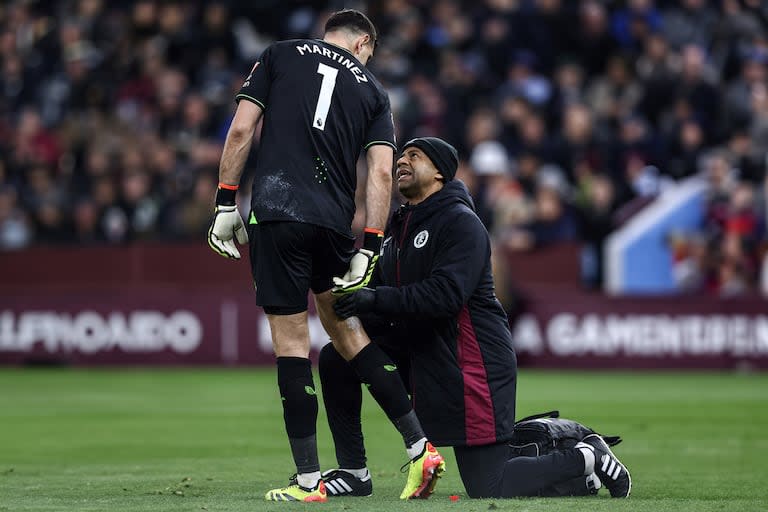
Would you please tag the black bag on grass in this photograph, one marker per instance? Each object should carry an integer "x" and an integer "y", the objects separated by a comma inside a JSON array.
[{"x": 543, "y": 433}]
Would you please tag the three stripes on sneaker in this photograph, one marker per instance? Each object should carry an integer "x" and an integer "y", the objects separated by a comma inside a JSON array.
[
  {"x": 338, "y": 487},
  {"x": 342, "y": 483},
  {"x": 611, "y": 466}
]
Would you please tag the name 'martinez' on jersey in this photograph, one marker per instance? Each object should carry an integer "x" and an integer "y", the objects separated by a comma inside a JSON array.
[{"x": 308, "y": 48}]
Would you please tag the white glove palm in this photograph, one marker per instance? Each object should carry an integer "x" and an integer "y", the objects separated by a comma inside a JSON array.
[
  {"x": 359, "y": 274},
  {"x": 227, "y": 225}
]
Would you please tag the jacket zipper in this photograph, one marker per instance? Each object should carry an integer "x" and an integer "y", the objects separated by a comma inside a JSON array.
[{"x": 400, "y": 244}]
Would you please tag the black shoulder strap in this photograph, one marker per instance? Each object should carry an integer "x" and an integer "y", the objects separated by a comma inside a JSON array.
[{"x": 550, "y": 414}]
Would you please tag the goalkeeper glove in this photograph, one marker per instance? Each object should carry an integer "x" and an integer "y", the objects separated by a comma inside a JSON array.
[
  {"x": 361, "y": 265},
  {"x": 356, "y": 303},
  {"x": 227, "y": 224}
]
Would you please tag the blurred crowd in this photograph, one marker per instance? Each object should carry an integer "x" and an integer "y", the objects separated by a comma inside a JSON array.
[{"x": 569, "y": 115}]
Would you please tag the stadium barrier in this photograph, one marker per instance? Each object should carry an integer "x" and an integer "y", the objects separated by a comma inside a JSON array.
[
  {"x": 184, "y": 305},
  {"x": 638, "y": 256}
]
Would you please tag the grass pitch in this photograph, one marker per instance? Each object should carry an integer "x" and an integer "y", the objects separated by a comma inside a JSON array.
[{"x": 213, "y": 440}]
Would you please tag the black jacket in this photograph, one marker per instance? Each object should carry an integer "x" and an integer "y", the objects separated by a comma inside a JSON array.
[{"x": 434, "y": 285}]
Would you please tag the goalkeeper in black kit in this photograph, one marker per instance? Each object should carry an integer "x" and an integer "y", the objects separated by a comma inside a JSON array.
[
  {"x": 431, "y": 305},
  {"x": 321, "y": 108}
]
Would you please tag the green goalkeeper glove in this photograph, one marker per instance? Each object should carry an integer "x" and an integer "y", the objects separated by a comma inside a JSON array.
[
  {"x": 361, "y": 265},
  {"x": 227, "y": 224}
]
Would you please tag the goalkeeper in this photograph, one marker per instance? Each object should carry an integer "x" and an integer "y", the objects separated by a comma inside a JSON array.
[
  {"x": 320, "y": 107},
  {"x": 432, "y": 305}
]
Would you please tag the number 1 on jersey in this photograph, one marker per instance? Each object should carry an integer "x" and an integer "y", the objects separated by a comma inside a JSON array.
[{"x": 326, "y": 91}]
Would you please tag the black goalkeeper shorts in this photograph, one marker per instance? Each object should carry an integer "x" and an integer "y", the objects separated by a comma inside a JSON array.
[{"x": 290, "y": 258}]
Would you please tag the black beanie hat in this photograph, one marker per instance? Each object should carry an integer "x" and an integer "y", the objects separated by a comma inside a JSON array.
[{"x": 443, "y": 155}]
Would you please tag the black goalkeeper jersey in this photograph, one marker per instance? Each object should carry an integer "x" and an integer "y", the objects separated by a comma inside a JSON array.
[{"x": 321, "y": 108}]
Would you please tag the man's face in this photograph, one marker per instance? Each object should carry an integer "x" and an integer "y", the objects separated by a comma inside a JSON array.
[{"x": 415, "y": 172}]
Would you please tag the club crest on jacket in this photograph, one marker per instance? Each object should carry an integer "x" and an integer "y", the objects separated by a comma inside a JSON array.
[{"x": 420, "y": 240}]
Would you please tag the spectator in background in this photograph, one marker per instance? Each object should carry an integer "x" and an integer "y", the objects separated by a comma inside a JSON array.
[
  {"x": 493, "y": 171},
  {"x": 192, "y": 216},
  {"x": 495, "y": 35},
  {"x": 16, "y": 86},
  {"x": 739, "y": 25},
  {"x": 86, "y": 227},
  {"x": 656, "y": 70},
  {"x": 741, "y": 92},
  {"x": 615, "y": 95},
  {"x": 747, "y": 153},
  {"x": 722, "y": 177},
  {"x": 689, "y": 22},
  {"x": 758, "y": 130},
  {"x": 594, "y": 42},
  {"x": 33, "y": 143},
  {"x": 733, "y": 269},
  {"x": 553, "y": 221},
  {"x": 529, "y": 162},
  {"x": 531, "y": 134},
  {"x": 633, "y": 23},
  {"x": 112, "y": 221},
  {"x": 733, "y": 231},
  {"x": 576, "y": 141},
  {"x": 15, "y": 228},
  {"x": 595, "y": 207},
  {"x": 685, "y": 150},
  {"x": 695, "y": 88},
  {"x": 177, "y": 33},
  {"x": 482, "y": 126},
  {"x": 423, "y": 107},
  {"x": 139, "y": 205},
  {"x": 524, "y": 80},
  {"x": 217, "y": 39},
  {"x": 690, "y": 261},
  {"x": 636, "y": 154},
  {"x": 569, "y": 86}
]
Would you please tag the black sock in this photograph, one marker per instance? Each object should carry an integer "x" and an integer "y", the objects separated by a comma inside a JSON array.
[
  {"x": 380, "y": 374},
  {"x": 297, "y": 392},
  {"x": 410, "y": 426},
  {"x": 343, "y": 399},
  {"x": 304, "y": 451}
]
